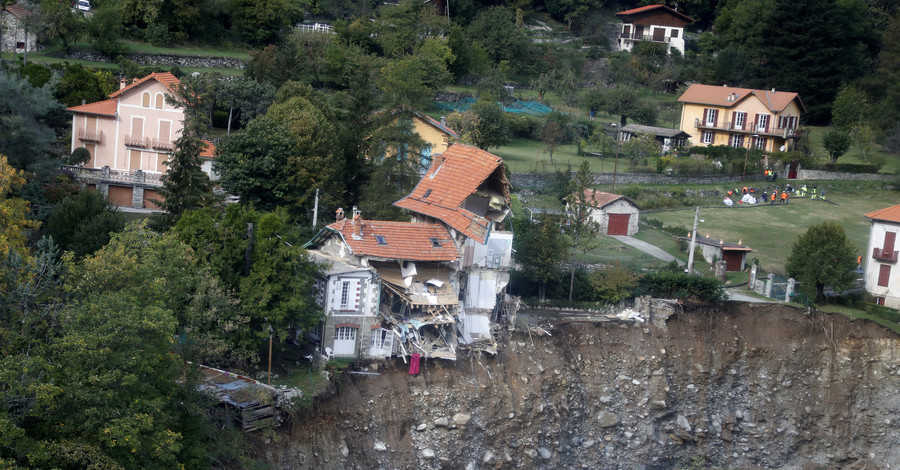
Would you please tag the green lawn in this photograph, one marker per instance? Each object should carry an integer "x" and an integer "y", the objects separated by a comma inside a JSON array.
[
  {"x": 891, "y": 162},
  {"x": 771, "y": 230},
  {"x": 857, "y": 313}
]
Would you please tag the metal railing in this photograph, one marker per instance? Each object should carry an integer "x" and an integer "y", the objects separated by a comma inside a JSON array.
[
  {"x": 90, "y": 135},
  {"x": 645, "y": 37},
  {"x": 884, "y": 255},
  {"x": 160, "y": 144},
  {"x": 137, "y": 141},
  {"x": 108, "y": 174},
  {"x": 747, "y": 129}
]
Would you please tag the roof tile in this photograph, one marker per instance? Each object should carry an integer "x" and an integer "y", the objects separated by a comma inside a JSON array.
[
  {"x": 103, "y": 108},
  {"x": 404, "y": 240},
  {"x": 165, "y": 78},
  {"x": 889, "y": 214},
  {"x": 712, "y": 95}
]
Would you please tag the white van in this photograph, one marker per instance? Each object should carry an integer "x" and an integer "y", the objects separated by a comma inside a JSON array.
[{"x": 83, "y": 5}]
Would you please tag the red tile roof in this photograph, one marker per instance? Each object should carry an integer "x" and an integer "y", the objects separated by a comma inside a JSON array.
[
  {"x": 18, "y": 11},
  {"x": 888, "y": 214},
  {"x": 209, "y": 150},
  {"x": 712, "y": 95},
  {"x": 167, "y": 79},
  {"x": 452, "y": 178},
  {"x": 600, "y": 199},
  {"x": 649, "y": 8},
  {"x": 102, "y": 108},
  {"x": 404, "y": 240}
]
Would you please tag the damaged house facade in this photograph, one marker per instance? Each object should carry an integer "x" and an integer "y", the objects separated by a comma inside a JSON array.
[{"x": 430, "y": 286}]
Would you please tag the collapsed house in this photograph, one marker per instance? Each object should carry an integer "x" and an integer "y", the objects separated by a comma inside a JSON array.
[{"x": 431, "y": 286}]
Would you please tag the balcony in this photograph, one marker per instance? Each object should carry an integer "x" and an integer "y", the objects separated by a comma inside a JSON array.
[
  {"x": 137, "y": 141},
  {"x": 747, "y": 129},
  {"x": 107, "y": 175},
  {"x": 644, "y": 37},
  {"x": 90, "y": 135},
  {"x": 883, "y": 255},
  {"x": 160, "y": 144}
]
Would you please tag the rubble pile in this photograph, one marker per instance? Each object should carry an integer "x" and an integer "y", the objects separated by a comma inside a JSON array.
[{"x": 745, "y": 386}]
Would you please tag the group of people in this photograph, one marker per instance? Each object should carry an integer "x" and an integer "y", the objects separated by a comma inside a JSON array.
[
  {"x": 750, "y": 195},
  {"x": 770, "y": 175}
]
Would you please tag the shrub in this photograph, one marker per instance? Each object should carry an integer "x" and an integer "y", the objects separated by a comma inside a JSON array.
[
  {"x": 613, "y": 284},
  {"x": 632, "y": 192},
  {"x": 680, "y": 285},
  {"x": 79, "y": 156},
  {"x": 853, "y": 167}
]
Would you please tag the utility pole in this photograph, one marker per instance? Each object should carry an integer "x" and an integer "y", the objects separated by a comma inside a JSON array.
[
  {"x": 616, "y": 166},
  {"x": 690, "y": 264}
]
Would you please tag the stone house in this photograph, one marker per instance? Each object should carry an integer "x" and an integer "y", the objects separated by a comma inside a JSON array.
[
  {"x": 734, "y": 254},
  {"x": 130, "y": 136},
  {"x": 430, "y": 286},
  {"x": 614, "y": 213},
  {"x": 16, "y": 34}
]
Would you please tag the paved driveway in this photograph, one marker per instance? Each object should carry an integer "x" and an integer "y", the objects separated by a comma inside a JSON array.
[{"x": 651, "y": 250}]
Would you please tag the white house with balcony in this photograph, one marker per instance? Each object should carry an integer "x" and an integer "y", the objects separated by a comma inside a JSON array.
[
  {"x": 654, "y": 23},
  {"x": 880, "y": 260},
  {"x": 129, "y": 138}
]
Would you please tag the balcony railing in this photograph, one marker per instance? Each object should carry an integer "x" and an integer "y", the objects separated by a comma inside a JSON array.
[
  {"x": 160, "y": 144},
  {"x": 137, "y": 141},
  {"x": 644, "y": 37},
  {"x": 90, "y": 135},
  {"x": 747, "y": 129},
  {"x": 107, "y": 174},
  {"x": 884, "y": 255}
]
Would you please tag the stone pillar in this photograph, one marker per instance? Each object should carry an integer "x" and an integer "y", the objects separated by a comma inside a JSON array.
[
  {"x": 139, "y": 176},
  {"x": 105, "y": 171},
  {"x": 752, "y": 282},
  {"x": 720, "y": 270},
  {"x": 768, "y": 292},
  {"x": 790, "y": 289},
  {"x": 104, "y": 189},
  {"x": 137, "y": 198}
]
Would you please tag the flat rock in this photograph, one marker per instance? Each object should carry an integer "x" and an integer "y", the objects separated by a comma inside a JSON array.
[
  {"x": 462, "y": 419},
  {"x": 607, "y": 419}
]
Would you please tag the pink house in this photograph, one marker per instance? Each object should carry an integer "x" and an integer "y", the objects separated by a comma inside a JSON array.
[{"x": 130, "y": 137}]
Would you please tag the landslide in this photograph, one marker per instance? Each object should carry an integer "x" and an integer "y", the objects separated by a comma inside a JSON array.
[{"x": 741, "y": 386}]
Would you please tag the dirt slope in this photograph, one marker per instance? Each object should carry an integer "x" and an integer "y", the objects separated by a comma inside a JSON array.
[{"x": 746, "y": 386}]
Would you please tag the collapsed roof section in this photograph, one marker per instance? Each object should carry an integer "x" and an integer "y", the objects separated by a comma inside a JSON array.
[{"x": 465, "y": 188}]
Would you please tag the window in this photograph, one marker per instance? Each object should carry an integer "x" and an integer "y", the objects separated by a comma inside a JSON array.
[
  {"x": 708, "y": 137},
  {"x": 345, "y": 333},
  {"x": 345, "y": 295},
  {"x": 737, "y": 140},
  {"x": 425, "y": 157},
  {"x": 427, "y": 193},
  {"x": 674, "y": 33},
  {"x": 711, "y": 117},
  {"x": 626, "y": 136},
  {"x": 435, "y": 243},
  {"x": 145, "y": 99},
  {"x": 380, "y": 239},
  {"x": 884, "y": 275},
  {"x": 762, "y": 123},
  {"x": 759, "y": 143},
  {"x": 381, "y": 339},
  {"x": 739, "y": 118},
  {"x": 160, "y": 99}
]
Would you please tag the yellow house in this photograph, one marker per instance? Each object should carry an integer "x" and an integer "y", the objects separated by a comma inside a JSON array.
[
  {"x": 741, "y": 117},
  {"x": 436, "y": 134}
]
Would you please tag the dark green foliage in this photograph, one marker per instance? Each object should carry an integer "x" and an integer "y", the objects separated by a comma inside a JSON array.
[
  {"x": 83, "y": 223},
  {"x": 396, "y": 165},
  {"x": 263, "y": 22},
  {"x": 496, "y": 31},
  {"x": 106, "y": 29},
  {"x": 669, "y": 284},
  {"x": 582, "y": 228},
  {"x": 79, "y": 156},
  {"x": 79, "y": 85},
  {"x": 622, "y": 102},
  {"x": 25, "y": 136},
  {"x": 836, "y": 143},
  {"x": 613, "y": 284},
  {"x": 852, "y": 167},
  {"x": 823, "y": 256},
  {"x": 540, "y": 249},
  {"x": 632, "y": 191},
  {"x": 492, "y": 128}
]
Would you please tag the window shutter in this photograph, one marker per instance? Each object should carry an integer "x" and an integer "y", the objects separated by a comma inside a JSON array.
[
  {"x": 884, "y": 275},
  {"x": 733, "y": 118},
  {"x": 705, "y": 115},
  {"x": 889, "y": 238},
  {"x": 715, "y": 117},
  {"x": 354, "y": 295},
  {"x": 767, "y": 124}
]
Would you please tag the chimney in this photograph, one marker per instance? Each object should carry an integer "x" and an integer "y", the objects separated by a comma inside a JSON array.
[
  {"x": 339, "y": 214},
  {"x": 357, "y": 224},
  {"x": 83, "y": 101},
  {"x": 122, "y": 83},
  {"x": 443, "y": 120},
  {"x": 773, "y": 90}
]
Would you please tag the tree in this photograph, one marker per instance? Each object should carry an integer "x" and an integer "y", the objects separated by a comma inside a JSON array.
[
  {"x": 823, "y": 256},
  {"x": 246, "y": 96},
  {"x": 540, "y": 248},
  {"x": 613, "y": 284},
  {"x": 263, "y": 22},
  {"x": 622, "y": 102},
  {"x": 80, "y": 84},
  {"x": 552, "y": 136},
  {"x": 412, "y": 79},
  {"x": 25, "y": 136},
  {"x": 836, "y": 143},
  {"x": 492, "y": 128},
  {"x": 641, "y": 147},
  {"x": 61, "y": 20},
  {"x": 185, "y": 185},
  {"x": 14, "y": 212},
  {"x": 495, "y": 30},
  {"x": 84, "y": 223},
  {"x": 582, "y": 228}
]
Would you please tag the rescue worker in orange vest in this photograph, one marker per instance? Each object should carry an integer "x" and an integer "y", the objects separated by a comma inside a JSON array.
[
  {"x": 858, "y": 262},
  {"x": 784, "y": 197},
  {"x": 774, "y": 197},
  {"x": 744, "y": 190}
]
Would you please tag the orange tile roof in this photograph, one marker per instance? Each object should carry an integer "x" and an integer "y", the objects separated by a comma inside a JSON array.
[
  {"x": 648, "y": 8},
  {"x": 452, "y": 178},
  {"x": 18, "y": 11},
  {"x": 209, "y": 150},
  {"x": 102, "y": 108},
  {"x": 404, "y": 240},
  {"x": 888, "y": 214},
  {"x": 600, "y": 199},
  {"x": 712, "y": 95},
  {"x": 167, "y": 79}
]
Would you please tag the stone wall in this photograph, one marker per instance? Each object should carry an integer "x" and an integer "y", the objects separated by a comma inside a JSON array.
[
  {"x": 166, "y": 60},
  {"x": 540, "y": 180},
  {"x": 804, "y": 174}
]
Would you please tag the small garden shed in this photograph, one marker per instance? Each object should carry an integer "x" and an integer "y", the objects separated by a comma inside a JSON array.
[{"x": 616, "y": 214}]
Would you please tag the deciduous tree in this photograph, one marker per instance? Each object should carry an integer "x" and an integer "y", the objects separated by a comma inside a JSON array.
[
  {"x": 84, "y": 223},
  {"x": 823, "y": 256},
  {"x": 540, "y": 248},
  {"x": 836, "y": 143},
  {"x": 582, "y": 228}
]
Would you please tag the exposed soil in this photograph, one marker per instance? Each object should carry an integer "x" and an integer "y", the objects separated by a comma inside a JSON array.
[{"x": 745, "y": 386}]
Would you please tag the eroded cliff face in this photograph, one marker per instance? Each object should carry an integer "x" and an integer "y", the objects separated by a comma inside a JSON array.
[{"x": 744, "y": 386}]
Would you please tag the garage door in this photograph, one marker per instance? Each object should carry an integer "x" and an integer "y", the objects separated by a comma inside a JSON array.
[
  {"x": 733, "y": 260},
  {"x": 618, "y": 224},
  {"x": 149, "y": 196},
  {"x": 345, "y": 341},
  {"x": 120, "y": 195}
]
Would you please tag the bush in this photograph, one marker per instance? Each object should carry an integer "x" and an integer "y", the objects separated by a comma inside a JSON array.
[
  {"x": 680, "y": 285},
  {"x": 220, "y": 119},
  {"x": 632, "y": 192},
  {"x": 523, "y": 125},
  {"x": 79, "y": 156},
  {"x": 852, "y": 167},
  {"x": 613, "y": 284}
]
